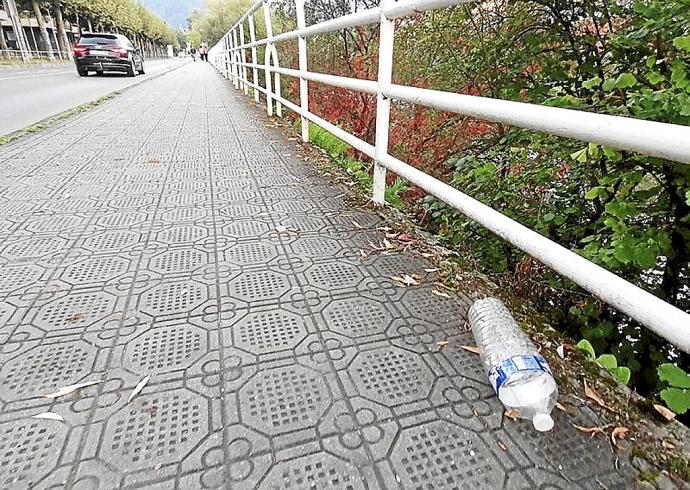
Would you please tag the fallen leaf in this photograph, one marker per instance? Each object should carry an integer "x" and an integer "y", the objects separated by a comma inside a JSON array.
[
  {"x": 427, "y": 255},
  {"x": 591, "y": 430},
  {"x": 667, "y": 444},
  {"x": 470, "y": 348},
  {"x": 406, "y": 280},
  {"x": 665, "y": 412},
  {"x": 388, "y": 244},
  {"x": 154, "y": 160},
  {"x": 363, "y": 254},
  {"x": 49, "y": 416},
  {"x": 442, "y": 343},
  {"x": 77, "y": 317},
  {"x": 619, "y": 432},
  {"x": 66, "y": 390},
  {"x": 430, "y": 270},
  {"x": 441, "y": 294},
  {"x": 405, "y": 237},
  {"x": 561, "y": 407},
  {"x": 377, "y": 247},
  {"x": 502, "y": 446},
  {"x": 560, "y": 351},
  {"x": 137, "y": 389},
  {"x": 358, "y": 226},
  {"x": 511, "y": 414},
  {"x": 286, "y": 229},
  {"x": 385, "y": 229},
  {"x": 593, "y": 395}
]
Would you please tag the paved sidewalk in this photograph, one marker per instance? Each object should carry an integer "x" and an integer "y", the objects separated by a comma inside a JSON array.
[{"x": 141, "y": 239}]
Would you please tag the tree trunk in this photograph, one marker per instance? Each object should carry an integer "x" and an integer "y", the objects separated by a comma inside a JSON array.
[
  {"x": 3, "y": 43},
  {"x": 63, "y": 41},
  {"x": 22, "y": 43},
  {"x": 43, "y": 29},
  {"x": 90, "y": 26}
]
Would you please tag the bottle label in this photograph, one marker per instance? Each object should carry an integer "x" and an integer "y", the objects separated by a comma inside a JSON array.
[{"x": 499, "y": 374}]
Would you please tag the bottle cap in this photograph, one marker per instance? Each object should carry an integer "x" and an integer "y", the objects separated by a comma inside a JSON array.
[{"x": 542, "y": 422}]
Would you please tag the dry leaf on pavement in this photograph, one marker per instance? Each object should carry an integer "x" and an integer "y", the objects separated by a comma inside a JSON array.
[
  {"x": 502, "y": 446},
  {"x": 591, "y": 430},
  {"x": 442, "y": 343},
  {"x": 49, "y": 416},
  {"x": 137, "y": 389},
  {"x": 430, "y": 270},
  {"x": 358, "y": 226},
  {"x": 593, "y": 395},
  {"x": 560, "y": 350},
  {"x": 406, "y": 280},
  {"x": 286, "y": 229},
  {"x": 620, "y": 433},
  {"x": 511, "y": 414},
  {"x": 665, "y": 412},
  {"x": 441, "y": 294},
  {"x": 470, "y": 348},
  {"x": 66, "y": 390},
  {"x": 404, "y": 237},
  {"x": 561, "y": 407}
]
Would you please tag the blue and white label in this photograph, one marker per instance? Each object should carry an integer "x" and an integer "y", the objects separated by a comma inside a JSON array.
[{"x": 500, "y": 374}]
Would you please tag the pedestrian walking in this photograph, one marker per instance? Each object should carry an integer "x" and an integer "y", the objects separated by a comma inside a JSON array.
[
  {"x": 203, "y": 52},
  {"x": 193, "y": 53}
]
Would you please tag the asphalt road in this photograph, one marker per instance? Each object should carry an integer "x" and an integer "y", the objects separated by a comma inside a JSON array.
[{"x": 31, "y": 95}]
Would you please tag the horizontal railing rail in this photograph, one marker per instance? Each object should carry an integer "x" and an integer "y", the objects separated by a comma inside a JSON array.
[{"x": 663, "y": 140}]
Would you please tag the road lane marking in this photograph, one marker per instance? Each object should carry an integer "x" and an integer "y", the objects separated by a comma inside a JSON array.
[{"x": 41, "y": 75}]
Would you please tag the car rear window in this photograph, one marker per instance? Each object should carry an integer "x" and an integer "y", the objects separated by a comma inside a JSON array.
[{"x": 96, "y": 40}]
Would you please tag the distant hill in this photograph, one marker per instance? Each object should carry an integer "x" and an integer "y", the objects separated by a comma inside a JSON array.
[{"x": 174, "y": 12}]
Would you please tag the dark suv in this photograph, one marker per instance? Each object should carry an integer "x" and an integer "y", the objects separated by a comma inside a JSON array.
[{"x": 101, "y": 52}]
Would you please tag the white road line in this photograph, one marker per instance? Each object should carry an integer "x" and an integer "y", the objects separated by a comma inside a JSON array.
[{"x": 41, "y": 75}]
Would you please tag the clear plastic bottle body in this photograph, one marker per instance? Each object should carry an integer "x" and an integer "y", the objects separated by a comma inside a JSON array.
[{"x": 515, "y": 368}]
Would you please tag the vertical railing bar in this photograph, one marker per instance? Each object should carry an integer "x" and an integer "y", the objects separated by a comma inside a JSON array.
[
  {"x": 267, "y": 59},
  {"x": 244, "y": 60},
  {"x": 255, "y": 72},
  {"x": 303, "y": 68},
  {"x": 383, "y": 104},
  {"x": 276, "y": 84},
  {"x": 233, "y": 61}
]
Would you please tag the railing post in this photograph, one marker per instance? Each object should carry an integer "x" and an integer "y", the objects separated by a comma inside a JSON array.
[
  {"x": 303, "y": 68},
  {"x": 267, "y": 58},
  {"x": 255, "y": 71},
  {"x": 244, "y": 60},
  {"x": 383, "y": 104},
  {"x": 233, "y": 61},
  {"x": 276, "y": 81}
]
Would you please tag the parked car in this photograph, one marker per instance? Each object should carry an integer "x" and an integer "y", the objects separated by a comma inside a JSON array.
[{"x": 101, "y": 52}]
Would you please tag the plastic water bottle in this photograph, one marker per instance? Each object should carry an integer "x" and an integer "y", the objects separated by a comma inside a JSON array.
[{"x": 519, "y": 375}]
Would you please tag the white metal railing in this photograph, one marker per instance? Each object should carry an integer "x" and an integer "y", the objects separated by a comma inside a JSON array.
[{"x": 651, "y": 138}]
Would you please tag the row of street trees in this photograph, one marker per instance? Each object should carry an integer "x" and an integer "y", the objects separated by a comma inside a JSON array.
[{"x": 120, "y": 16}]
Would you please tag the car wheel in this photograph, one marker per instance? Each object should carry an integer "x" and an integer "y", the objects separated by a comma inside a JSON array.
[
  {"x": 131, "y": 72},
  {"x": 99, "y": 73},
  {"x": 83, "y": 72},
  {"x": 141, "y": 69}
]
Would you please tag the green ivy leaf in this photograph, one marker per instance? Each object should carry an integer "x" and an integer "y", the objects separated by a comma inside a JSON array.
[
  {"x": 586, "y": 346},
  {"x": 626, "y": 80},
  {"x": 676, "y": 399},
  {"x": 608, "y": 85},
  {"x": 687, "y": 197},
  {"x": 591, "y": 83},
  {"x": 674, "y": 375},
  {"x": 622, "y": 373},
  {"x": 682, "y": 43},
  {"x": 580, "y": 156},
  {"x": 595, "y": 192},
  {"x": 608, "y": 361}
]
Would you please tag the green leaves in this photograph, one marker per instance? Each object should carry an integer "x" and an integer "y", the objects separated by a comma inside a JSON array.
[
  {"x": 624, "y": 81},
  {"x": 677, "y": 395},
  {"x": 586, "y": 346},
  {"x": 682, "y": 43},
  {"x": 607, "y": 361},
  {"x": 674, "y": 376}
]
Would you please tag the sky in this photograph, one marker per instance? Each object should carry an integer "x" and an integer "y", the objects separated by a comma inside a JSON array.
[{"x": 174, "y": 12}]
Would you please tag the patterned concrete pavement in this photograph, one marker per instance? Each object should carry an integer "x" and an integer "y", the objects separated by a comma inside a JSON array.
[{"x": 141, "y": 238}]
